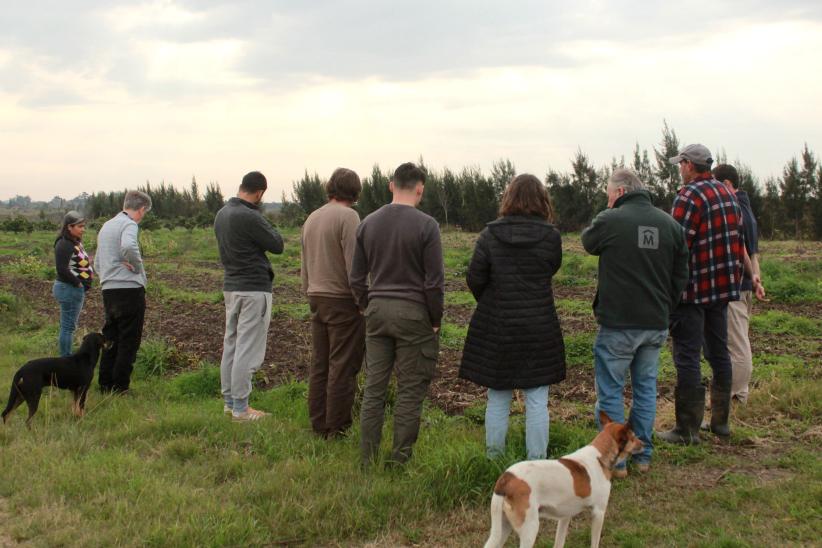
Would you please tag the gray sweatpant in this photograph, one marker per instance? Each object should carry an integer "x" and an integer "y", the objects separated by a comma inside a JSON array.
[{"x": 247, "y": 317}]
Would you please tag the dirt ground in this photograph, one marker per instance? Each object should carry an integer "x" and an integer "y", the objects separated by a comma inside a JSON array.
[{"x": 197, "y": 329}]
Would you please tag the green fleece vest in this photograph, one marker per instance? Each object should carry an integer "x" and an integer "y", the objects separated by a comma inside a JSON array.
[{"x": 643, "y": 263}]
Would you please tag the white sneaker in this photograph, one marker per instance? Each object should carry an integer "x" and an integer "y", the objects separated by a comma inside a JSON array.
[{"x": 249, "y": 415}]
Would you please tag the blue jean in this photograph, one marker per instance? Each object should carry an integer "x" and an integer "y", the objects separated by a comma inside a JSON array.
[
  {"x": 71, "y": 303},
  {"x": 536, "y": 421},
  {"x": 616, "y": 352}
]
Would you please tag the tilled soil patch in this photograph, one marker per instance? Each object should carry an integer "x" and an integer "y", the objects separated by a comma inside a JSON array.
[{"x": 198, "y": 328}]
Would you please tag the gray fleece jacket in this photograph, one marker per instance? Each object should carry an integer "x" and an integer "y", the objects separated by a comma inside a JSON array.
[
  {"x": 117, "y": 242},
  {"x": 243, "y": 238}
]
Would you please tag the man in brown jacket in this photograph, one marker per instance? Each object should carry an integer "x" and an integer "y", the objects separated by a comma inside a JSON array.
[{"x": 337, "y": 327}]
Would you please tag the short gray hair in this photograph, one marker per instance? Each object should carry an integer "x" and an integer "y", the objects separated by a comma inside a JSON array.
[
  {"x": 136, "y": 200},
  {"x": 625, "y": 178}
]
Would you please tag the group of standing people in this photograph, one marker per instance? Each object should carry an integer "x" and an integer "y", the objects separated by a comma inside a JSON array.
[
  {"x": 680, "y": 273},
  {"x": 691, "y": 274},
  {"x": 376, "y": 290},
  {"x": 118, "y": 265}
]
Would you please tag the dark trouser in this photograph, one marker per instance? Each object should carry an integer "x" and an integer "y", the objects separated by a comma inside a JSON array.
[
  {"x": 398, "y": 336},
  {"x": 337, "y": 335},
  {"x": 692, "y": 327},
  {"x": 125, "y": 310}
]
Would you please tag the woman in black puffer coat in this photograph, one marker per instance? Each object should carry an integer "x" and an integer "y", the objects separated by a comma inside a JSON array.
[{"x": 514, "y": 338}]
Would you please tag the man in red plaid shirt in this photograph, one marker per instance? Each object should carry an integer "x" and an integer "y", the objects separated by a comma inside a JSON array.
[{"x": 712, "y": 221}]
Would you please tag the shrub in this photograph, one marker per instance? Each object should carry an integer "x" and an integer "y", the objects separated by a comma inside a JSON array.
[
  {"x": 204, "y": 383},
  {"x": 18, "y": 223},
  {"x": 9, "y": 305},
  {"x": 29, "y": 266},
  {"x": 157, "y": 357}
]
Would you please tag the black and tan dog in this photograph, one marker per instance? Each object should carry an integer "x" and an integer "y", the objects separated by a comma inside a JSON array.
[{"x": 73, "y": 373}]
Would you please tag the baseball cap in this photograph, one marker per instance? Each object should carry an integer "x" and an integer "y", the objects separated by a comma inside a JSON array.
[{"x": 696, "y": 153}]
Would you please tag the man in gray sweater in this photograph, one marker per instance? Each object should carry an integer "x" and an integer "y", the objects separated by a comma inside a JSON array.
[
  {"x": 398, "y": 249},
  {"x": 243, "y": 237},
  {"x": 119, "y": 265}
]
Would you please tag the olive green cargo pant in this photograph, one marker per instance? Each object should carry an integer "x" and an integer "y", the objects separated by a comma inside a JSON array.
[{"x": 398, "y": 336}]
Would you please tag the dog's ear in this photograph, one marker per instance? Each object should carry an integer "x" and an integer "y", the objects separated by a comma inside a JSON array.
[{"x": 604, "y": 419}]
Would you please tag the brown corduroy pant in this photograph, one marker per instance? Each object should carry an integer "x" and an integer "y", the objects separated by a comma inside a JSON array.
[{"x": 338, "y": 345}]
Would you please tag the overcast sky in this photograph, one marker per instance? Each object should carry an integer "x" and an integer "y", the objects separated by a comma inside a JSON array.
[{"x": 104, "y": 95}]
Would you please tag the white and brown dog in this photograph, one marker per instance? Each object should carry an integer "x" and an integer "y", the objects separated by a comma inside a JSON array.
[{"x": 560, "y": 489}]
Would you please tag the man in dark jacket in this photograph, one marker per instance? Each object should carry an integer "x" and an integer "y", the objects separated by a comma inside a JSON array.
[
  {"x": 711, "y": 217},
  {"x": 643, "y": 268},
  {"x": 399, "y": 248},
  {"x": 244, "y": 236},
  {"x": 739, "y": 312}
]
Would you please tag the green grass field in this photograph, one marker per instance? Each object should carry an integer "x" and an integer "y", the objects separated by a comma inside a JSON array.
[{"x": 165, "y": 467}]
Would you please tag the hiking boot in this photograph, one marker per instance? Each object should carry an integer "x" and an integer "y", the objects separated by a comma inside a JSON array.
[
  {"x": 248, "y": 415},
  {"x": 689, "y": 407}
]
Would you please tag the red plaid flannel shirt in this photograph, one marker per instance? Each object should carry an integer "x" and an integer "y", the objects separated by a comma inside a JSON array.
[{"x": 712, "y": 220}]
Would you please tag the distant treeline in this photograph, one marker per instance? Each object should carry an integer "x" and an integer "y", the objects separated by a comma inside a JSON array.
[
  {"x": 789, "y": 206},
  {"x": 786, "y": 207},
  {"x": 170, "y": 207}
]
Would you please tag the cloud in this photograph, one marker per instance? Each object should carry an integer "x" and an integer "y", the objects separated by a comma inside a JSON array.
[
  {"x": 99, "y": 95},
  {"x": 156, "y": 47}
]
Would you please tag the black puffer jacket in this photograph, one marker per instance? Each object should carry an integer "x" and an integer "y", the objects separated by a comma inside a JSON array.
[{"x": 514, "y": 339}]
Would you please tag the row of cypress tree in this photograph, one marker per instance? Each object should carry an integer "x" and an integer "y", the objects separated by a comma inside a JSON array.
[{"x": 789, "y": 206}]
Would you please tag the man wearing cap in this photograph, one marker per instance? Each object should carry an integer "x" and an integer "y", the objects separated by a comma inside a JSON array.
[
  {"x": 243, "y": 237},
  {"x": 119, "y": 264},
  {"x": 712, "y": 219}
]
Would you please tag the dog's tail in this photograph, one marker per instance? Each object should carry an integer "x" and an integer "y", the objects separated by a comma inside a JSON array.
[
  {"x": 500, "y": 527},
  {"x": 13, "y": 395}
]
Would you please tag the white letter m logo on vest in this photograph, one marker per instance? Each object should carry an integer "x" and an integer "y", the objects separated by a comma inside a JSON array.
[{"x": 648, "y": 237}]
